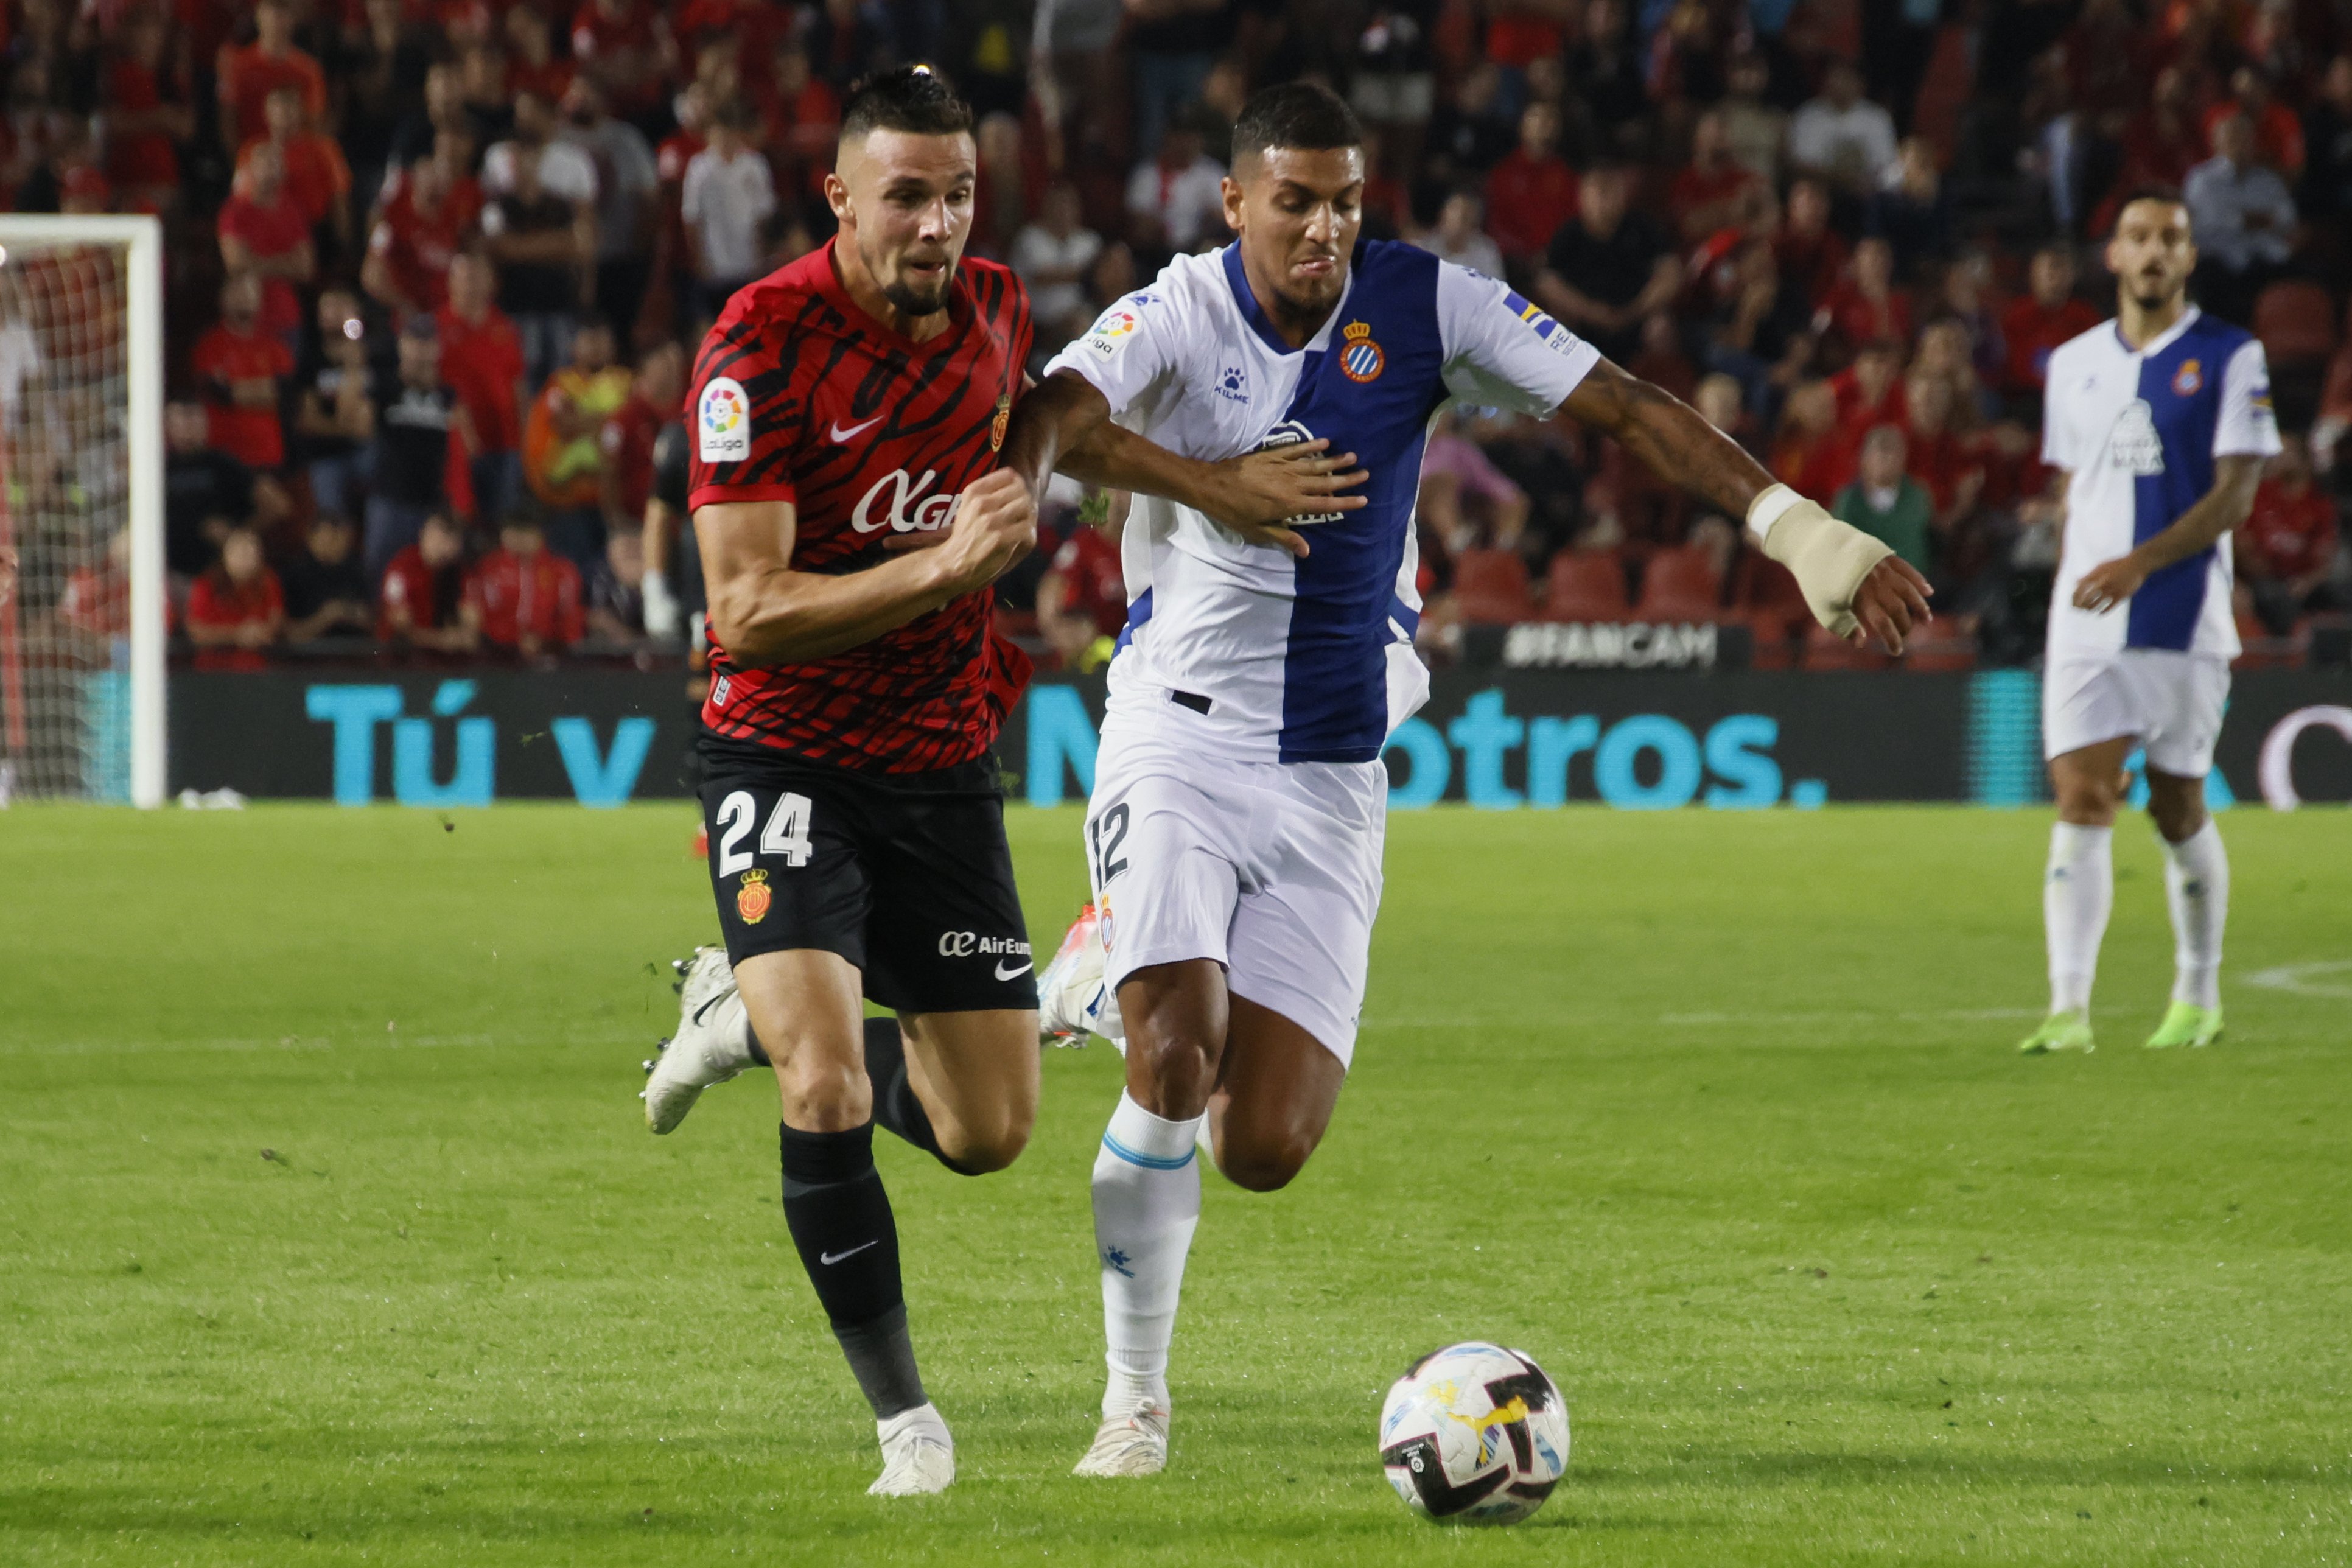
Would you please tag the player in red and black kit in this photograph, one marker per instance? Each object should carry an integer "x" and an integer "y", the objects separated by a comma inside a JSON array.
[{"x": 845, "y": 415}]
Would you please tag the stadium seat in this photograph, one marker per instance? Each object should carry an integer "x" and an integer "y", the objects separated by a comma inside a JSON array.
[
  {"x": 2296, "y": 321},
  {"x": 1584, "y": 585},
  {"x": 1680, "y": 586},
  {"x": 1490, "y": 588}
]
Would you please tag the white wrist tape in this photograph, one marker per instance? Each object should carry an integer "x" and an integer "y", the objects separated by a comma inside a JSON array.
[{"x": 1827, "y": 558}]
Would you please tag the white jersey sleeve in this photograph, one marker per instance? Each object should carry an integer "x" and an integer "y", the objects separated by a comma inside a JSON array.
[
  {"x": 1501, "y": 351},
  {"x": 2246, "y": 425},
  {"x": 1130, "y": 353},
  {"x": 2058, "y": 438}
]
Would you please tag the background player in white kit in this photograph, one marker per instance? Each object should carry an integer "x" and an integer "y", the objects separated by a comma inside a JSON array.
[
  {"x": 1235, "y": 830},
  {"x": 2159, "y": 420}
]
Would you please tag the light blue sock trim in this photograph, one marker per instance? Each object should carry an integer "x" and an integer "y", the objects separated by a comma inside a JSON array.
[{"x": 1148, "y": 1161}]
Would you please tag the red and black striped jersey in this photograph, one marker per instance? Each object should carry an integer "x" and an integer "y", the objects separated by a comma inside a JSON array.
[{"x": 799, "y": 395}]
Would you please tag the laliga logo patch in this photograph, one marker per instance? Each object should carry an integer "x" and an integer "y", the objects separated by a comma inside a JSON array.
[
  {"x": 723, "y": 421},
  {"x": 1112, "y": 332},
  {"x": 1362, "y": 358},
  {"x": 752, "y": 899},
  {"x": 2191, "y": 376}
]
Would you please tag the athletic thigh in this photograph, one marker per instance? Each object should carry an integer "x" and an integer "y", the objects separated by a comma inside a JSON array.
[
  {"x": 805, "y": 1006},
  {"x": 976, "y": 1073},
  {"x": 1302, "y": 939},
  {"x": 1276, "y": 1090}
]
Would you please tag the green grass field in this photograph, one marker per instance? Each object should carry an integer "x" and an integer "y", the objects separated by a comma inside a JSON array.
[{"x": 330, "y": 1231}]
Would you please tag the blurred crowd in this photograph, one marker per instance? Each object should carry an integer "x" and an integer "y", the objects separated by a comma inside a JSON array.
[{"x": 436, "y": 268}]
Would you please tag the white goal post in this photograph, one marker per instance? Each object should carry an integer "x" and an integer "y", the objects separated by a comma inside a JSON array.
[{"x": 82, "y": 506}]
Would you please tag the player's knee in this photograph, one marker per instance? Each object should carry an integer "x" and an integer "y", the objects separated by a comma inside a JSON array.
[
  {"x": 2086, "y": 800},
  {"x": 1171, "y": 1078},
  {"x": 2177, "y": 816},
  {"x": 1263, "y": 1159},
  {"x": 992, "y": 1146}
]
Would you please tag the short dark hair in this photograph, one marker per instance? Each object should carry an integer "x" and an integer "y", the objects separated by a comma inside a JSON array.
[
  {"x": 1296, "y": 114},
  {"x": 2169, "y": 194},
  {"x": 915, "y": 99}
]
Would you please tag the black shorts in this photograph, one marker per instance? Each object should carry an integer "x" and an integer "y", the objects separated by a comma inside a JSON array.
[{"x": 906, "y": 876}]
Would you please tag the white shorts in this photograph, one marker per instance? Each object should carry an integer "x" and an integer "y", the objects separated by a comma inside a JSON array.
[
  {"x": 2171, "y": 702},
  {"x": 1271, "y": 868}
]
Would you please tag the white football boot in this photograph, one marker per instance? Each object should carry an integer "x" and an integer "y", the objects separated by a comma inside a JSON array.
[
  {"x": 1072, "y": 1000},
  {"x": 711, "y": 1044},
  {"x": 917, "y": 1455},
  {"x": 1135, "y": 1443}
]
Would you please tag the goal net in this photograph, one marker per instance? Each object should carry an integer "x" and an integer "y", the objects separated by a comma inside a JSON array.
[{"x": 82, "y": 616}]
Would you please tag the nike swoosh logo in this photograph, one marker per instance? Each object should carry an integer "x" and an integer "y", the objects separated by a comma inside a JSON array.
[
  {"x": 1004, "y": 974},
  {"x": 829, "y": 1258},
  {"x": 840, "y": 434},
  {"x": 707, "y": 1006}
]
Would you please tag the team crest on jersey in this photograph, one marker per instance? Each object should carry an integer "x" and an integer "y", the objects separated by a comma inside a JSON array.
[
  {"x": 723, "y": 421},
  {"x": 1362, "y": 358},
  {"x": 753, "y": 897},
  {"x": 2135, "y": 444},
  {"x": 2188, "y": 378},
  {"x": 996, "y": 426}
]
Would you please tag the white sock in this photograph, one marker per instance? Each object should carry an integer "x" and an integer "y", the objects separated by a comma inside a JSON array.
[
  {"x": 2197, "y": 887},
  {"x": 1147, "y": 1190},
  {"x": 925, "y": 1418},
  {"x": 2078, "y": 888}
]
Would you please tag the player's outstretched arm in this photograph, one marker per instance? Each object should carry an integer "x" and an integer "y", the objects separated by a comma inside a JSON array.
[
  {"x": 1064, "y": 423},
  {"x": 764, "y": 613},
  {"x": 1853, "y": 584},
  {"x": 2216, "y": 513}
]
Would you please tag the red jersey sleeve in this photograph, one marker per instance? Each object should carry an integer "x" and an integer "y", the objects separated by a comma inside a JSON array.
[{"x": 748, "y": 413}]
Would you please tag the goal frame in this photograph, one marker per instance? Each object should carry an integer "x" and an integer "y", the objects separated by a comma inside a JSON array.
[{"x": 142, "y": 238}]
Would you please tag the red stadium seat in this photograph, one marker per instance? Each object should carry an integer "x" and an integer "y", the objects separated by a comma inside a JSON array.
[
  {"x": 2296, "y": 321},
  {"x": 1584, "y": 585},
  {"x": 1490, "y": 588},
  {"x": 1680, "y": 586}
]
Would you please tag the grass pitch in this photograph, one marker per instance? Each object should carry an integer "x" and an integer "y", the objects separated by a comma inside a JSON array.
[{"x": 330, "y": 1232}]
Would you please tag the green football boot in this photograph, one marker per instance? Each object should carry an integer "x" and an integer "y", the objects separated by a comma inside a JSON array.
[
  {"x": 2059, "y": 1032},
  {"x": 2186, "y": 1024}
]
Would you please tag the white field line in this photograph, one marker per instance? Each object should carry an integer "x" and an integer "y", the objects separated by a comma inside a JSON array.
[{"x": 2296, "y": 979}]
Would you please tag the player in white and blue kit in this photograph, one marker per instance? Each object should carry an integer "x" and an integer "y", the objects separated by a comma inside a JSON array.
[
  {"x": 1235, "y": 830},
  {"x": 2160, "y": 421}
]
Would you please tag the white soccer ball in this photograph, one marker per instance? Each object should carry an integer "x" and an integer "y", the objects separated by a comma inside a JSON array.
[{"x": 1473, "y": 1434}]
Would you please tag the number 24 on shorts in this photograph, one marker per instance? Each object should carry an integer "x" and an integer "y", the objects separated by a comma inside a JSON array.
[{"x": 786, "y": 835}]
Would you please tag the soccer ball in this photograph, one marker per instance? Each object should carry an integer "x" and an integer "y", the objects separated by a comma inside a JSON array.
[{"x": 1473, "y": 1434}]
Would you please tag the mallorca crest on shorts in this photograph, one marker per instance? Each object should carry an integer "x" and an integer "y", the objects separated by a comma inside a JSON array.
[
  {"x": 1362, "y": 358},
  {"x": 753, "y": 897}
]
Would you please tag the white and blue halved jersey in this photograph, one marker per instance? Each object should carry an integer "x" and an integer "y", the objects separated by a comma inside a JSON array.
[
  {"x": 1285, "y": 659},
  {"x": 2138, "y": 432}
]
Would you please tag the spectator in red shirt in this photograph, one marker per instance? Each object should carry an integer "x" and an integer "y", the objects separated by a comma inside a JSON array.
[
  {"x": 262, "y": 232},
  {"x": 532, "y": 64},
  {"x": 1532, "y": 192},
  {"x": 481, "y": 361},
  {"x": 2046, "y": 316},
  {"x": 1947, "y": 466},
  {"x": 1812, "y": 456},
  {"x": 626, "y": 46},
  {"x": 1866, "y": 306},
  {"x": 1710, "y": 192},
  {"x": 241, "y": 366},
  {"x": 420, "y": 230},
  {"x": 146, "y": 117},
  {"x": 2278, "y": 134},
  {"x": 246, "y": 75},
  {"x": 1808, "y": 249},
  {"x": 628, "y": 435},
  {"x": 529, "y": 596},
  {"x": 1870, "y": 390},
  {"x": 426, "y": 602},
  {"x": 317, "y": 179},
  {"x": 1082, "y": 597},
  {"x": 2286, "y": 546},
  {"x": 96, "y": 600},
  {"x": 235, "y": 609}
]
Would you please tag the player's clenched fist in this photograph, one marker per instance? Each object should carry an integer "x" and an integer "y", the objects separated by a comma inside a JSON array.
[{"x": 995, "y": 525}]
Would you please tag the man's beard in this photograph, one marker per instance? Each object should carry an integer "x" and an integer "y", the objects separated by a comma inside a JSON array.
[
  {"x": 907, "y": 301},
  {"x": 2153, "y": 294}
]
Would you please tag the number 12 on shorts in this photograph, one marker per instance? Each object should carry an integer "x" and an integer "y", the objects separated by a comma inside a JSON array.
[
  {"x": 786, "y": 835},
  {"x": 1105, "y": 834}
]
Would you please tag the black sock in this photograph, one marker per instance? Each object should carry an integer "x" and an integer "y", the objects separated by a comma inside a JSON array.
[
  {"x": 841, "y": 1223},
  {"x": 896, "y": 1106}
]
